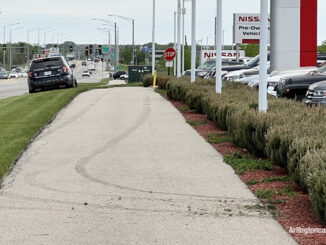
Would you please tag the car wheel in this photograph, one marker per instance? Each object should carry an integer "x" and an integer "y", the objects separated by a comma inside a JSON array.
[
  {"x": 122, "y": 78},
  {"x": 31, "y": 90}
]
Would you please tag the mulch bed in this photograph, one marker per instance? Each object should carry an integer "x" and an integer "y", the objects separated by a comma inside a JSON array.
[{"x": 290, "y": 212}]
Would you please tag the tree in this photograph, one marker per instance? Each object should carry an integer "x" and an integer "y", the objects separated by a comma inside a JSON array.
[
  {"x": 322, "y": 48},
  {"x": 251, "y": 49},
  {"x": 126, "y": 54}
]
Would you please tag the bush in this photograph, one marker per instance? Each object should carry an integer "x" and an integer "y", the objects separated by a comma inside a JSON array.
[
  {"x": 290, "y": 134},
  {"x": 147, "y": 80}
]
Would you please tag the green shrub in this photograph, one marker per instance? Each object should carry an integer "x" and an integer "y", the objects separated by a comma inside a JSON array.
[
  {"x": 147, "y": 80},
  {"x": 290, "y": 134},
  {"x": 162, "y": 80}
]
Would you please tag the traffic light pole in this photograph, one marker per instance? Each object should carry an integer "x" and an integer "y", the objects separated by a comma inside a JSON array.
[{"x": 4, "y": 49}]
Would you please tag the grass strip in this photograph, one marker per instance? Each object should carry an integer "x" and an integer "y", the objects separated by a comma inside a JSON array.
[
  {"x": 218, "y": 138},
  {"x": 242, "y": 163},
  {"x": 22, "y": 117}
]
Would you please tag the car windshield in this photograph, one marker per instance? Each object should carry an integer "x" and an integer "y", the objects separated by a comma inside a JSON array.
[
  {"x": 253, "y": 61},
  {"x": 45, "y": 63},
  {"x": 208, "y": 65},
  {"x": 322, "y": 70}
]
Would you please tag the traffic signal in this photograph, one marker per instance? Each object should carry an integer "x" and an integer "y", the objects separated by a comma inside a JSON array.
[
  {"x": 21, "y": 48},
  {"x": 90, "y": 49},
  {"x": 4, "y": 46},
  {"x": 100, "y": 49},
  {"x": 86, "y": 51},
  {"x": 70, "y": 48}
]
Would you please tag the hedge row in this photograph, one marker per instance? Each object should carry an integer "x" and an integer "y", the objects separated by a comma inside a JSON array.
[
  {"x": 290, "y": 134},
  {"x": 161, "y": 80}
]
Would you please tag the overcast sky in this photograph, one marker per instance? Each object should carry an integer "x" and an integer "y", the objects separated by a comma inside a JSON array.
[{"x": 73, "y": 18}]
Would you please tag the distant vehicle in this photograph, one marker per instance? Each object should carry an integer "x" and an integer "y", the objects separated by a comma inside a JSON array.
[
  {"x": 118, "y": 74},
  {"x": 3, "y": 74},
  {"x": 73, "y": 65},
  {"x": 89, "y": 59},
  {"x": 53, "y": 72},
  {"x": 86, "y": 74},
  {"x": 13, "y": 75},
  {"x": 96, "y": 59},
  {"x": 124, "y": 77},
  {"x": 91, "y": 66},
  {"x": 22, "y": 74},
  {"x": 84, "y": 63}
]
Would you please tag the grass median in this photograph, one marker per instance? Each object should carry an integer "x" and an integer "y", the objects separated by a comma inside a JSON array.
[{"x": 22, "y": 117}]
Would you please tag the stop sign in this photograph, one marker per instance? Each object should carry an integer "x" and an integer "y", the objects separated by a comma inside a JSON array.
[{"x": 169, "y": 54}]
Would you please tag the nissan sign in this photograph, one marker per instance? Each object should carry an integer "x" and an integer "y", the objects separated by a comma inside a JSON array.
[
  {"x": 231, "y": 54},
  {"x": 246, "y": 28}
]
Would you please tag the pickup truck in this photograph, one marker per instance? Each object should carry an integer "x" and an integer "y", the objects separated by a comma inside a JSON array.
[{"x": 297, "y": 86}]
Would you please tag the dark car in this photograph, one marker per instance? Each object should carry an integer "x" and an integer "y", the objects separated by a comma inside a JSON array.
[
  {"x": 53, "y": 72},
  {"x": 316, "y": 94},
  {"x": 297, "y": 86},
  {"x": 84, "y": 63},
  {"x": 118, "y": 74}
]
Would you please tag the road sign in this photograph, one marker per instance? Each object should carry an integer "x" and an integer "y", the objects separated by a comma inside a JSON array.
[
  {"x": 169, "y": 54},
  {"x": 169, "y": 64},
  {"x": 105, "y": 49}
]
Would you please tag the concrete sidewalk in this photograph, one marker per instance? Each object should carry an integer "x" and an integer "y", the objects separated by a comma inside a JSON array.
[{"x": 121, "y": 166}]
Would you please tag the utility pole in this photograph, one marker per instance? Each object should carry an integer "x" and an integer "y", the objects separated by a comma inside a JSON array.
[
  {"x": 219, "y": 33},
  {"x": 179, "y": 41},
  {"x": 153, "y": 40}
]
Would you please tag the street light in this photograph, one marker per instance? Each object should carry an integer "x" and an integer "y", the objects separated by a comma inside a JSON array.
[
  {"x": 38, "y": 38},
  {"x": 28, "y": 31},
  {"x": 153, "y": 41},
  {"x": 4, "y": 42},
  {"x": 132, "y": 21},
  {"x": 45, "y": 37},
  {"x": 10, "y": 57},
  {"x": 116, "y": 40}
]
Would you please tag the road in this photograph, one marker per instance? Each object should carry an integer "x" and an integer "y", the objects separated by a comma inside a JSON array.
[
  {"x": 121, "y": 166},
  {"x": 14, "y": 87}
]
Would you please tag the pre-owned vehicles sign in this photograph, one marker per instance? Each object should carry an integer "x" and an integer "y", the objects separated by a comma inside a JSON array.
[{"x": 246, "y": 28}]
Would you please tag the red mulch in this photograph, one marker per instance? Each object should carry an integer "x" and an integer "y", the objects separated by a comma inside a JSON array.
[{"x": 293, "y": 211}]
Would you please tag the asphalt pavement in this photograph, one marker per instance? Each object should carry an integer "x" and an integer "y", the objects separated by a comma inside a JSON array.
[{"x": 121, "y": 166}]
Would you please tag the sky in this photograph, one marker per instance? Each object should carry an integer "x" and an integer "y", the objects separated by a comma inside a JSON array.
[{"x": 73, "y": 19}]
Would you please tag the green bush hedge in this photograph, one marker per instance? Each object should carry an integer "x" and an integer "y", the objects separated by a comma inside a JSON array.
[
  {"x": 161, "y": 80},
  {"x": 147, "y": 80},
  {"x": 290, "y": 134}
]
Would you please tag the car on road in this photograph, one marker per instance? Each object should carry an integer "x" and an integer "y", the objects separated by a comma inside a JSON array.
[
  {"x": 53, "y": 72},
  {"x": 73, "y": 66},
  {"x": 86, "y": 74},
  {"x": 297, "y": 86},
  {"x": 118, "y": 74},
  {"x": 84, "y": 63},
  {"x": 3, "y": 74},
  {"x": 13, "y": 74},
  {"x": 124, "y": 77}
]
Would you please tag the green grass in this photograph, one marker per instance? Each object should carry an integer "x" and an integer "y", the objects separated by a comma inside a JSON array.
[
  {"x": 22, "y": 117},
  {"x": 123, "y": 67},
  {"x": 197, "y": 123},
  {"x": 160, "y": 91},
  {"x": 184, "y": 109},
  {"x": 252, "y": 182},
  {"x": 242, "y": 163},
  {"x": 276, "y": 178},
  {"x": 218, "y": 138},
  {"x": 265, "y": 194}
]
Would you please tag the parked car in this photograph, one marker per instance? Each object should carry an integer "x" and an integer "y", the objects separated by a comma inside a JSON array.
[
  {"x": 124, "y": 77},
  {"x": 297, "y": 86},
  {"x": 50, "y": 72},
  {"x": 13, "y": 74},
  {"x": 73, "y": 65},
  {"x": 240, "y": 74},
  {"x": 203, "y": 69},
  {"x": 86, "y": 74},
  {"x": 118, "y": 74},
  {"x": 3, "y": 74},
  {"x": 316, "y": 94}
]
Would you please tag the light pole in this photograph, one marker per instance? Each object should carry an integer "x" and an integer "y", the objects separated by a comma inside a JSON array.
[
  {"x": 175, "y": 43},
  {"x": 153, "y": 41},
  {"x": 38, "y": 38},
  {"x": 219, "y": 34},
  {"x": 179, "y": 41},
  {"x": 263, "y": 56},
  {"x": 116, "y": 40},
  {"x": 28, "y": 31},
  {"x": 4, "y": 42},
  {"x": 132, "y": 21},
  {"x": 10, "y": 57},
  {"x": 45, "y": 37},
  {"x": 193, "y": 41}
]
